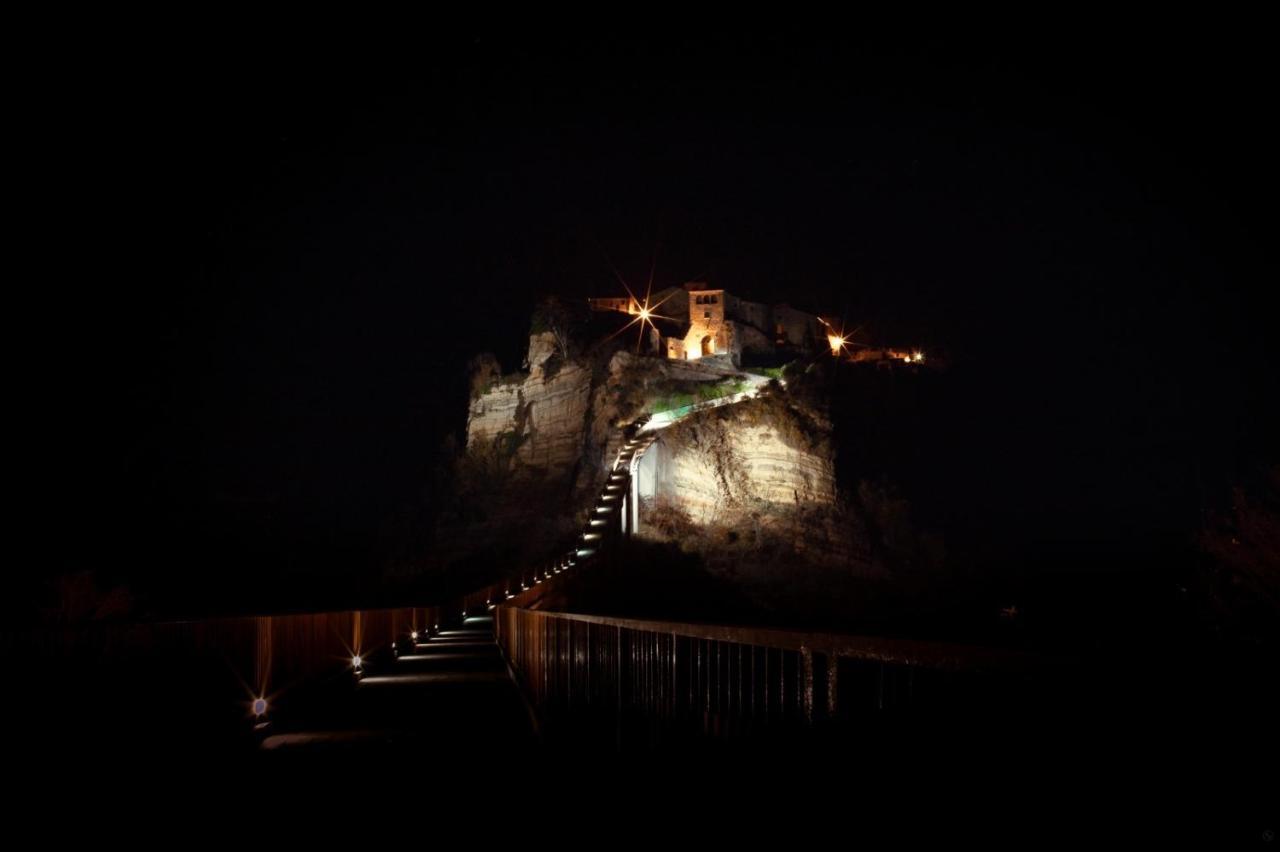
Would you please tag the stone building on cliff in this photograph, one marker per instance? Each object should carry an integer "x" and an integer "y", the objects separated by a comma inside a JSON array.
[{"x": 694, "y": 321}]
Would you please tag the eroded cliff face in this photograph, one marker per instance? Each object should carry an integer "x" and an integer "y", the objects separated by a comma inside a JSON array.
[
  {"x": 719, "y": 472},
  {"x": 541, "y": 420},
  {"x": 559, "y": 419},
  {"x": 536, "y": 449},
  {"x": 751, "y": 488},
  {"x": 555, "y": 421}
]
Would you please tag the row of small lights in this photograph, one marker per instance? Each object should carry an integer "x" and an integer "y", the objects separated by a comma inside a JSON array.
[
  {"x": 260, "y": 704},
  {"x": 569, "y": 562},
  {"x": 357, "y": 662},
  {"x": 838, "y": 343}
]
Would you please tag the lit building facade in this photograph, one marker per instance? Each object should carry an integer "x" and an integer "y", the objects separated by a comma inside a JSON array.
[{"x": 694, "y": 322}]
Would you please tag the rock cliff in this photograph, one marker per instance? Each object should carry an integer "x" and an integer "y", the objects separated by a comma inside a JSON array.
[
  {"x": 542, "y": 419},
  {"x": 536, "y": 448},
  {"x": 749, "y": 488},
  {"x": 547, "y": 432},
  {"x": 716, "y": 471}
]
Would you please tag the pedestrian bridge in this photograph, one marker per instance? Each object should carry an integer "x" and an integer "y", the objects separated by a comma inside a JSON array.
[{"x": 498, "y": 668}]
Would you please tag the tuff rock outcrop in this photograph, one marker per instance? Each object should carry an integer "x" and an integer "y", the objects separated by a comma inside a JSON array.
[{"x": 752, "y": 482}]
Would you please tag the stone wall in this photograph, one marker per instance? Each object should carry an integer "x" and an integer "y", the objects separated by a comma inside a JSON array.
[{"x": 799, "y": 328}]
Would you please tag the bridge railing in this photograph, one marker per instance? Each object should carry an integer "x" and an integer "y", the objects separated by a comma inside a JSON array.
[
  {"x": 651, "y": 682},
  {"x": 190, "y": 677}
]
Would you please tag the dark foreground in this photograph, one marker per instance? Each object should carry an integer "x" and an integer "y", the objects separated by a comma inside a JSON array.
[{"x": 1150, "y": 746}]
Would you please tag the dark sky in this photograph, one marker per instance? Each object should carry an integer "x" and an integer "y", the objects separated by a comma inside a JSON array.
[{"x": 275, "y": 261}]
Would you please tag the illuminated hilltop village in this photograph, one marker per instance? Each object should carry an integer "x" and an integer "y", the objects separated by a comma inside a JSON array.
[{"x": 694, "y": 322}]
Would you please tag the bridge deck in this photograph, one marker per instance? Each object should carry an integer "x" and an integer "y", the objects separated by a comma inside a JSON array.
[{"x": 449, "y": 695}]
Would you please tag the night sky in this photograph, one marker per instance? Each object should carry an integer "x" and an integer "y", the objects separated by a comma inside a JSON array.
[{"x": 271, "y": 264}]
